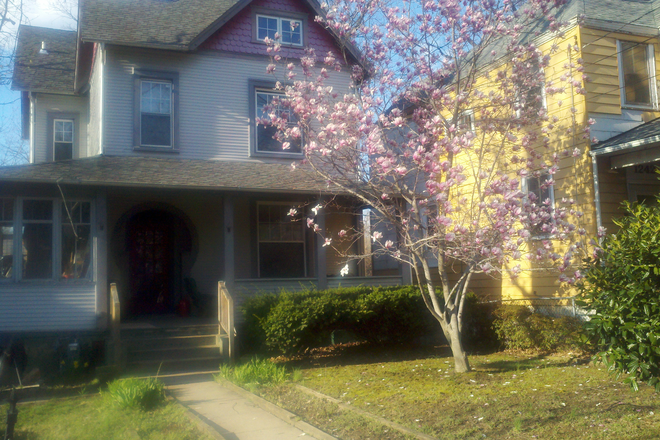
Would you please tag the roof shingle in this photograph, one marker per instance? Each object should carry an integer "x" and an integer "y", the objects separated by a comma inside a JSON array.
[
  {"x": 137, "y": 171},
  {"x": 48, "y": 72}
]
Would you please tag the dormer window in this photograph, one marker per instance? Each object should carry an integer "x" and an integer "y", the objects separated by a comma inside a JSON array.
[{"x": 289, "y": 30}]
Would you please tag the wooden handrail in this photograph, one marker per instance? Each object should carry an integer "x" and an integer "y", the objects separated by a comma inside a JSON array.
[
  {"x": 115, "y": 322},
  {"x": 226, "y": 316}
]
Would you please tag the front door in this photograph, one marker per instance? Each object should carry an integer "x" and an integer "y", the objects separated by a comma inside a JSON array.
[{"x": 151, "y": 255}]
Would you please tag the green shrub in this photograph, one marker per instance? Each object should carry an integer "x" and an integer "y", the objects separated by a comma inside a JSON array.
[
  {"x": 136, "y": 393},
  {"x": 293, "y": 321},
  {"x": 478, "y": 331},
  {"x": 518, "y": 328},
  {"x": 622, "y": 289},
  {"x": 255, "y": 371}
]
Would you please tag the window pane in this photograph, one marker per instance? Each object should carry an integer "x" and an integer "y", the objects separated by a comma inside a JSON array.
[
  {"x": 156, "y": 130},
  {"x": 291, "y": 32},
  {"x": 282, "y": 260},
  {"x": 7, "y": 210},
  {"x": 635, "y": 73},
  {"x": 63, "y": 151},
  {"x": 76, "y": 253},
  {"x": 266, "y": 27},
  {"x": 6, "y": 249},
  {"x": 37, "y": 251},
  {"x": 37, "y": 210}
]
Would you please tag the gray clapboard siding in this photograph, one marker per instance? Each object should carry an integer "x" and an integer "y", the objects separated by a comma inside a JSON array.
[
  {"x": 47, "y": 307},
  {"x": 213, "y": 100},
  {"x": 46, "y": 103}
]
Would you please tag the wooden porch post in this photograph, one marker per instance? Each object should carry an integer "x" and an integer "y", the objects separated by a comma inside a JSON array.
[
  {"x": 321, "y": 259},
  {"x": 230, "y": 264},
  {"x": 100, "y": 256}
]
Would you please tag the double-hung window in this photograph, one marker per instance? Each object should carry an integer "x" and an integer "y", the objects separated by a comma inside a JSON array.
[
  {"x": 156, "y": 110},
  {"x": 289, "y": 30},
  {"x": 541, "y": 198},
  {"x": 63, "y": 132},
  {"x": 45, "y": 239},
  {"x": 530, "y": 96},
  {"x": 636, "y": 74},
  {"x": 265, "y": 142},
  {"x": 281, "y": 242}
]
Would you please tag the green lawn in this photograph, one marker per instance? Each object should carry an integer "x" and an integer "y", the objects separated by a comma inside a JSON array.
[
  {"x": 506, "y": 396},
  {"x": 91, "y": 417}
]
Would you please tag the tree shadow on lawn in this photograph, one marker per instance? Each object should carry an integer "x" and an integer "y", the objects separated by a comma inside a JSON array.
[
  {"x": 359, "y": 353},
  {"x": 531, "y": 361}
]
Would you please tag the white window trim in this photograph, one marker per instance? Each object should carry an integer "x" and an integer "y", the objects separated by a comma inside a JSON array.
[
  {"x": 257, "y": 87},
  {"x": 171, "y": 114},
  {"x": 650, "y": 68},
  {"x": 469, "y": 113},
  {"x": 56, "y": 257},
  {"x": 73, "y": 135},
  {"x": 544, "y": 102},
  {"x": 279, "y": 29},
  {"x": 259, "y": 240}
]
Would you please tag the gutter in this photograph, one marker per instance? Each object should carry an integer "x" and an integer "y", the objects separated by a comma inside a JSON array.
[
  {"x": 599, "y": 217},
  {"x": 626, "y": 146}
]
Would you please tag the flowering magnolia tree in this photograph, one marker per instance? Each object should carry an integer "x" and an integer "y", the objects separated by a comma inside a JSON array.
[{"x": 444, "y": 135}]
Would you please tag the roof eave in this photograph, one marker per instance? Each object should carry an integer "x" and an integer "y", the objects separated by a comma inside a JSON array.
[{"x": 633, "y": 145}]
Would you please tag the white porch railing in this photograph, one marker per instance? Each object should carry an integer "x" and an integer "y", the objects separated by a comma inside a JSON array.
[{"x": 226, "y": 321}]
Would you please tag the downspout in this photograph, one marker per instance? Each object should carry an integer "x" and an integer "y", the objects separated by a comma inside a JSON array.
[
  {"x": 599, "y": 219},
  {"x": 101, "y": 110},
  {"x": 32, "y": 99}
]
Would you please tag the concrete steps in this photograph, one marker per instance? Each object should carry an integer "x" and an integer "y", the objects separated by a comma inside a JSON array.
[{"x": 172, "y": 346}]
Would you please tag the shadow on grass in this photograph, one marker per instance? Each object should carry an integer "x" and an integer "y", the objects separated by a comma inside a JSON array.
[
  {"x": 530, "y": 362},
  {"x": 362, "y": 353}
]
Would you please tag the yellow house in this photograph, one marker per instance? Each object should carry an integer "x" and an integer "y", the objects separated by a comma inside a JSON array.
[{"x": 605, "y": 65}]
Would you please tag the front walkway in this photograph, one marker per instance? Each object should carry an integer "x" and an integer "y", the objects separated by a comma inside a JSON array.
[{"x": 235, "y": 413}]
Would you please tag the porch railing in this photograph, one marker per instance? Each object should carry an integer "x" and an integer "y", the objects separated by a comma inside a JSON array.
[
  {"x": 115, "y": 322},
  {"x": 226, "y": 320}
]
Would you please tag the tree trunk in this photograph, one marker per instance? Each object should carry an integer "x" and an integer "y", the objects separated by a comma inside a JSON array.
[{"x": 461, "y": 364}]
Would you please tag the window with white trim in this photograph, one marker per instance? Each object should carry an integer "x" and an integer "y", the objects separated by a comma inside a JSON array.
[
  {"x": 63, "y": 136},
  {"x": 156, "y": 125},
  {"x": 466, "y": 121},
  {"x": 636, "y": 74},
  {"x": 530, "y": 91},
  {"x": 45, "y": 239},
  {"x": 267, "y": 102},
  {"x": 289, "y": 30},
  {"x": 541, "y": 196},
  {"x": 281, "y": 242}
]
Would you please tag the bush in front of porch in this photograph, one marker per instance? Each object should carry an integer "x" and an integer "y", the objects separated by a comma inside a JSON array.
[{"x": 293, "y": 321}]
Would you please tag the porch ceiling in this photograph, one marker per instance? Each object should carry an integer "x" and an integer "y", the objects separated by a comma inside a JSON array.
[{"x": 169, "y": 173}]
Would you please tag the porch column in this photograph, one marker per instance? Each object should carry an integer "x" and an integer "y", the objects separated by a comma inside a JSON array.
[
  {"x": 321, "y": 264},
  {"x": 101, "y": 260},
  {"x": 230, "y": 265}
]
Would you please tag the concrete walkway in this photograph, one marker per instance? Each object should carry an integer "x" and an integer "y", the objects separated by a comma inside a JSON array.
[{"x": 235, "y": 413}]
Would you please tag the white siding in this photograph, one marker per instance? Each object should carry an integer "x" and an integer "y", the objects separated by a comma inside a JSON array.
[
  {"x": 95, "y": 89},
  {"x": 58, "y": 306},
  {"x": 45, "y": 104},
  {"x": 213, "y": 100}
]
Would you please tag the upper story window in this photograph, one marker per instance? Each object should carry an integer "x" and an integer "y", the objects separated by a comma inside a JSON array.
[
  {"x": 540, "y": 194},
  {"x": 62, "y": 135},
  {"x": 636, "y": 74},
  {"x": 530, "y": 91},
  {"x": 265, "y": 101},
  {"x": 63, "y": 139},
  {"x": 466, "y": 121},
  {"x": 156, "y": 111},
  {"x": 289, "y": 30}
]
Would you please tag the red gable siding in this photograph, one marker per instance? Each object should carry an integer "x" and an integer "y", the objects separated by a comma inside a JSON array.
[{"x": 236, "y": 36}]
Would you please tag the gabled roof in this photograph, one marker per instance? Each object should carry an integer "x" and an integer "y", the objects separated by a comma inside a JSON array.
[
  {"x": 640, "y": 136},
  {"x": 138, "y": 171},
  {"x": 165, "y": 24},
  {"x": 52, "y": 71}
]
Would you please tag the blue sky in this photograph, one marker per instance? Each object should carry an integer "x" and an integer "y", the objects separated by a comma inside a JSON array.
[{"x": 39, "y": 13}]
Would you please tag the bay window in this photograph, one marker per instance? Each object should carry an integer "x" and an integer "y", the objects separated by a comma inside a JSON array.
[{"x": 45, "y": 239}]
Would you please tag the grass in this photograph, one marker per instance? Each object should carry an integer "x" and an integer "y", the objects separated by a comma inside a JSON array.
[
  {"x": 506, "y": 396},
  {"x": 91, "y": 417},
  {"x": 255, "y": 372}
]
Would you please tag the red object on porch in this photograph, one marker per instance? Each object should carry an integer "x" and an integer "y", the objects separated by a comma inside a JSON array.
[{"x": 183, "y": 308}]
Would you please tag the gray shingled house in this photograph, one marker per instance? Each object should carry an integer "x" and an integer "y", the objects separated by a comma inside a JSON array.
[{"x": 148, "y": 170}]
